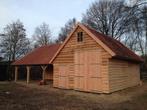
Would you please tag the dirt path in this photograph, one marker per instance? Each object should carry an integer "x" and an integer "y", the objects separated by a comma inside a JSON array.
[{"x": 21, "y": 97}]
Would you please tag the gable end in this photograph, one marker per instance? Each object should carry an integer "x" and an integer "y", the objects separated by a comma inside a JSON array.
[{"x": 90, "y": 34}]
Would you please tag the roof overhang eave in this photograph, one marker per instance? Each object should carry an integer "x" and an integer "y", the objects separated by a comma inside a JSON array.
[
  {"x": 30, "y": 64},
  {"x": 128, "y": 59}
]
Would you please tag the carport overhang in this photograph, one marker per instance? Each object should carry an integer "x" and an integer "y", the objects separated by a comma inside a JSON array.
[
  {"x": 28, "y": 68},
  {"x": 40, "y": 56}
]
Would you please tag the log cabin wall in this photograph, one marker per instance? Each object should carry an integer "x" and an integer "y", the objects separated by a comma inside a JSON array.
[
  {"x": 64, "y": 65},
  {"x": 123, "y": 74}
]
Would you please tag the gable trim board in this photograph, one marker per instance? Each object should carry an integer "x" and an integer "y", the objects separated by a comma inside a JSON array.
[{"x": 90, "y": 34}]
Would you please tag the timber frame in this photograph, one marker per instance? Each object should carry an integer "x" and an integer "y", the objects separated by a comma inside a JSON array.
[{"x": 28, "y": 69}]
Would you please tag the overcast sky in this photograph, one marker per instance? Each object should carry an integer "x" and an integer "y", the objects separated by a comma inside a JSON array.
[{"x": 33, "y": 12}]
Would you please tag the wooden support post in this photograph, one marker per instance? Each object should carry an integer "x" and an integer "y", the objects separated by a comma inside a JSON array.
[
  {"x": 28, "y": 74},
  {"x": 16, "y": 73},
  {"x": 43, "y": 72}
]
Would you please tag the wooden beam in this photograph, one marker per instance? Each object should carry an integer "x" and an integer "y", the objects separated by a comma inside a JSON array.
[
  {"x": 43, "y": 72},
  {"x": 28, "y": 74},
  {"x": 16, "y": 73}
]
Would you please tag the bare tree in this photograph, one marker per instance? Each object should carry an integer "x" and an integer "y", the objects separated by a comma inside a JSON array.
[
  {"x": 66, "y": 30},
  {"x": 14, "y": 43},
  {"x": 122, "y": 21},
  {"x": 137, "y": 31},
  {"x": 108, "y": 17},
  {"x": 144, "y": 25},
  {"x": 42, "y": 35}
]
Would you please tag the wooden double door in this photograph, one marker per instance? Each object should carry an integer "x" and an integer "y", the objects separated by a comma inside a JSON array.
[{"x": 87, "y": 70}]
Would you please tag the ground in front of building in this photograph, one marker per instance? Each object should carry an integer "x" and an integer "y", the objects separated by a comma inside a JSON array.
[{"x": 34, "y": 97}]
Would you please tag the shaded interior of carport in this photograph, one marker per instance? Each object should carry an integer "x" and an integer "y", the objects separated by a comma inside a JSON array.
[
  {"x": 34, "y": 72},
  {"x": 35, "y": 65}
]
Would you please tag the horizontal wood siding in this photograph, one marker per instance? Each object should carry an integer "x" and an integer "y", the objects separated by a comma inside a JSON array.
[
  {"x": 66, "y": 57},
  {"x": 123, "y": 74}
]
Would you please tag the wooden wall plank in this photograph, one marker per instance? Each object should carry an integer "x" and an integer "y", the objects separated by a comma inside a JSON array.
[{"x": 123, "y": 74}]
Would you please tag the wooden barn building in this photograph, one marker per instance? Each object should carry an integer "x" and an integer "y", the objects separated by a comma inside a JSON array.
[{"x": 88, "y": 61}]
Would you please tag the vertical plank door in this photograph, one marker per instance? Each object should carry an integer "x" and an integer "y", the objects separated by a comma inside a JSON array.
[{"x": 88, "y": 70}]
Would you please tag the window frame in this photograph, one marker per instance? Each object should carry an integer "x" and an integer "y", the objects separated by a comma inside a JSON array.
[{"x": 80, "y": 37}]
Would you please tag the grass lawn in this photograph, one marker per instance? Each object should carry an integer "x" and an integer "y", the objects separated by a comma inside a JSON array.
[{"x": 20, "y": 97}]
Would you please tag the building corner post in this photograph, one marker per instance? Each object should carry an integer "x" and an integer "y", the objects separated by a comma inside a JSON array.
[
  {"x": 16, "y": 73},
  {"x": 28, "y": 74},
  {"x": 43, "y": 72}
]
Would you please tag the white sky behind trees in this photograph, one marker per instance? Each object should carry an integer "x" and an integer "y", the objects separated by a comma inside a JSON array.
[{"x": 34, "y": 12}]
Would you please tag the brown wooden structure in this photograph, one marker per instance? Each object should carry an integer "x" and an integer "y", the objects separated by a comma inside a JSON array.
[
  {"x": 93, "y": 62},
  {"x": 87, "y": 61}
]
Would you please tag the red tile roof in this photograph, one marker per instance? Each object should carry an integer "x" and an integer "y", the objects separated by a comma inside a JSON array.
[
  {"x": 121, "y": 51},
  {"x": 39, "y": 56}
]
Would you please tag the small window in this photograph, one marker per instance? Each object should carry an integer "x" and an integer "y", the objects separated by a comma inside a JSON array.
[{"x": 80, "y": 37}]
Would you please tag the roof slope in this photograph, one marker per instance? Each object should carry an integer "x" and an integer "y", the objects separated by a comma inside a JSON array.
[
  {"x": 41, "y": 55},
  {"x": 121, "y": 51}
]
